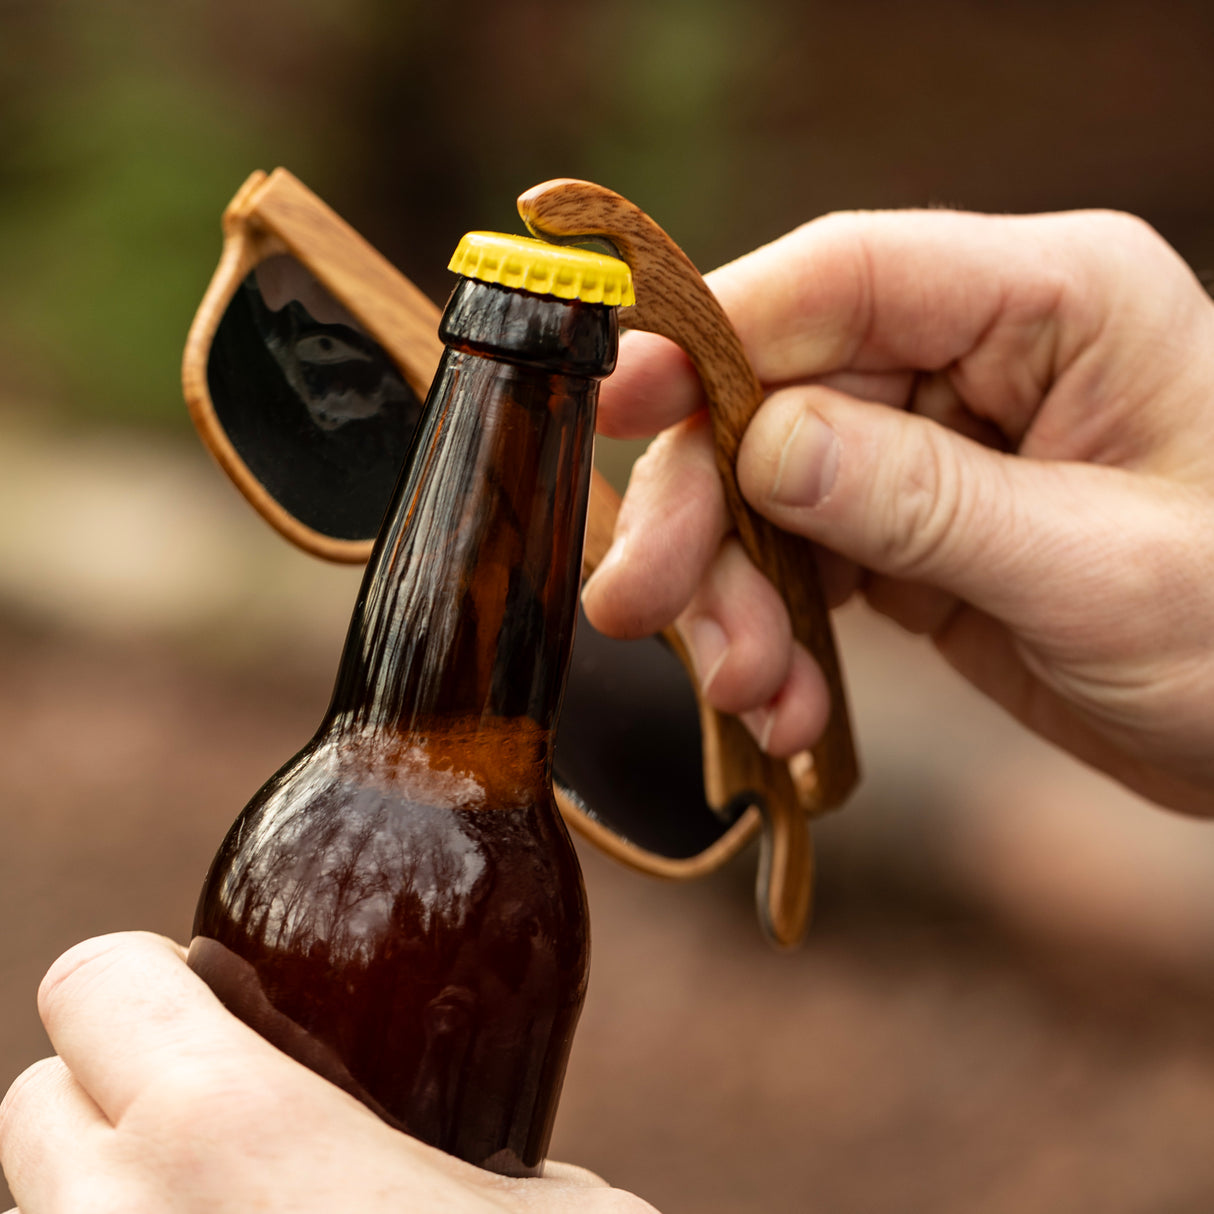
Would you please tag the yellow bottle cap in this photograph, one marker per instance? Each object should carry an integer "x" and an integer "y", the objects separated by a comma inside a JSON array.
[{"x": 527, "y": 264}]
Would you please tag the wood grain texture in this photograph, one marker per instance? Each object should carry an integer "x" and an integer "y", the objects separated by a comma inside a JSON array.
[
  {"x": 689, "y": 869},
  {"x": 273, "y": 214},
  {"x": 276, "y": 214},
  {"x": 673, "y": 300},
  {"x": 243, "y": 248}
]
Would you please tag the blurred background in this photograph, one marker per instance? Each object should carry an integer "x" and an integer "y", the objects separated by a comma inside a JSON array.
[{"x": 1007, "y": 1001}]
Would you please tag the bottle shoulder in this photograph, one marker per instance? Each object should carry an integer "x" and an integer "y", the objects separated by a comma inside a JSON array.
[
  {"x": 345, "y": 812},
  {"x": 324, "y": 853},
  {"x": 462, "y": 761}
]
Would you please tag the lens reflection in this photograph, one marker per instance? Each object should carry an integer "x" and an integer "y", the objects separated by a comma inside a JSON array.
[{"x": 314, "y": 407}]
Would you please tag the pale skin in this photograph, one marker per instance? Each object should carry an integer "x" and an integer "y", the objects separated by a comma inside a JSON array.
[
  {"x": 160, "y": 1101},
  {"x": 1001, "y": 432}
]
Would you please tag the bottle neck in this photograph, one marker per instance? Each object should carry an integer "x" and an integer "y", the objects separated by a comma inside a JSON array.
[{"x": 465, "y": 620}]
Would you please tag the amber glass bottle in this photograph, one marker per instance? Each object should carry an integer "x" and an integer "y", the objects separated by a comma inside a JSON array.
[{"x": 400, "y": 907}]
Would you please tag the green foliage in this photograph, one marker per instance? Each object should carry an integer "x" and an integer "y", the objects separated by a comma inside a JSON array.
[
  {"x": 127, "y": 127},
  {"x": 674, "y": 124},
  {"x": 114, "y": 177}
]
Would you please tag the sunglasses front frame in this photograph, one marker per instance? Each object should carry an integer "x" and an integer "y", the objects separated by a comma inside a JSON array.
[{"x": 276, "y": 215}]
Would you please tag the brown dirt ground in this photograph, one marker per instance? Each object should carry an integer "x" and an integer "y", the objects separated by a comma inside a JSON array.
[{"x": 993, "y": 1012}]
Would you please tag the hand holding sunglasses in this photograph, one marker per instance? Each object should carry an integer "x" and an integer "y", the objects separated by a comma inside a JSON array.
[{"x": 304, "y": 372}]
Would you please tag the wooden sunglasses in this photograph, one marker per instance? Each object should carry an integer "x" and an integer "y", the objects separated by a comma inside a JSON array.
[{"x": 305, "y": 373}]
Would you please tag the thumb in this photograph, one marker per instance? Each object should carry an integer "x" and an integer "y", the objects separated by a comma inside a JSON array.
[{"x": 906, "y": 497}]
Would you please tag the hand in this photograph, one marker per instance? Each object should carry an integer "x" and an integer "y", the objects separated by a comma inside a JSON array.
[
  {"x": 162, "y": 1101},
  {"x": 1000, "y": 430}
]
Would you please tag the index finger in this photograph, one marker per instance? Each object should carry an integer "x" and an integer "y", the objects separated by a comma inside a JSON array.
[
  {"x": 881, "y": 291},
  {"x": 125, "y": 1012},
  {"x": 867, "y": 292},
  {"x": 653, "y": 387}
]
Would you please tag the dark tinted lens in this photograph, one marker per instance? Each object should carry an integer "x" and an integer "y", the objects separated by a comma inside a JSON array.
[
  {"x": 315, "y": 408},
  {"x": 628, "y": 745}
]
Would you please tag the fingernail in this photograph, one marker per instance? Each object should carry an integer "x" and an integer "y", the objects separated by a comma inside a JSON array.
[
  {"x": 760, "y": 722},
  {"x": 809, "y": 463},
  {"x": 709, "y": 646}
]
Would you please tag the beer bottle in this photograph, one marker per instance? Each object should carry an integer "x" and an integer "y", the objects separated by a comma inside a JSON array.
[{"x": 400, "y": 907}]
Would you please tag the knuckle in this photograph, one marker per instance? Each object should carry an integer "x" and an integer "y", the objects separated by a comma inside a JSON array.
[
  {"x": 100, "y": 1195},
  {"x": 205, "y": 1087},
  {"x": 1117, "y": 239},
  {"x": 925, "y": 509},
  {"x": 801, "y": 708},
  {"x": 1117, "y": 227},
  {"x": 23, "y": 1090},
  {"x": 617, "y": 1201},
  {"x": 74, "y": 972},
  {"x": 756, "y": 622},
  {"x": 197, "y": 1103},
  {"x": 670, "y": 524},
  {"x": 760, "y": 663}
]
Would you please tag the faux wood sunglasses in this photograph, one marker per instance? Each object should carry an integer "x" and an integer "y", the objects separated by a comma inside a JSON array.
[{"x": 306, "y": 370}]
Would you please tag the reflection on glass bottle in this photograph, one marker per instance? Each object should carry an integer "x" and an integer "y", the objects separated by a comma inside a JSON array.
[{"x": 400, "y": 907}]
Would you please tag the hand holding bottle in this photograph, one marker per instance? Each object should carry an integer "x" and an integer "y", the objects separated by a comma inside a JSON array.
[
  {"x": 1001, "y": 430},
  {"x": 160, "y": 1100}
]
